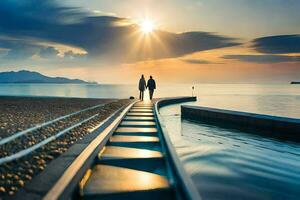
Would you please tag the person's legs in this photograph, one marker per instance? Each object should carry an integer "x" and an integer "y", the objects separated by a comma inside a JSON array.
[
  {"x": 151, "y": 94},
  {"x": 142, "y": 95}
]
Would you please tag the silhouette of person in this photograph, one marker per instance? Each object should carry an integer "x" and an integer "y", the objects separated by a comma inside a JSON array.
[
  {"x": 151, "y": 85},
  {"x": 142, "y": 87}
]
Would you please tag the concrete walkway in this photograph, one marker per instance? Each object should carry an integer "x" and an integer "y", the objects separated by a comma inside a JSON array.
[{"x": 132, "y": 164}]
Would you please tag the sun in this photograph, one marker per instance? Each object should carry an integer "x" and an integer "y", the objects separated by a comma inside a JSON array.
[{"x": 147, "y": 26}]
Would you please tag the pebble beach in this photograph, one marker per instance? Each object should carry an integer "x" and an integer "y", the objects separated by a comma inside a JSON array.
[{"x": 20, "y": 113}]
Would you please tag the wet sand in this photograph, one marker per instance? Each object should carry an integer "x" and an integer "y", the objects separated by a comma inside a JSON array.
[{"x": 21, "y": 113}]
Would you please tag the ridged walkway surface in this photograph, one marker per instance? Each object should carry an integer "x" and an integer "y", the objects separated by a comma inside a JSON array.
[{"x": 132, "y": 164}]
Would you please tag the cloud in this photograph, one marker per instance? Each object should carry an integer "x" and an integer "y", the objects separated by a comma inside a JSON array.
[
  {"x": 268, "y": 58},
  {"x": 197, "y": 61},
  {"x": 71, "y": 55},
  {"x": 48, "y": 52},
  {"x": 104, "y": 37},
  {"x": 18, "y": 49},
  {"x": 190, "y": 42},
  {"x": 278, "y": 44}
]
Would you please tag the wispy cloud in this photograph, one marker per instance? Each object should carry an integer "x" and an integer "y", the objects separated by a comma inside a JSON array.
[
  {"x": 48, "y": 52},
  {"x": 197, "y": 61},
  {"x": 268, "y": 58},
  {"x": 280, "y": 44}
]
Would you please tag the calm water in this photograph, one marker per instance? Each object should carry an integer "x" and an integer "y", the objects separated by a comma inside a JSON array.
[
  {"x": 229, "y": 164},
  {"x": 281, "y": 100}
]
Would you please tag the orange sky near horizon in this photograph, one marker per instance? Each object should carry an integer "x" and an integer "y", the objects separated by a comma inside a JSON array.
[{"x": 176, "y": 70}]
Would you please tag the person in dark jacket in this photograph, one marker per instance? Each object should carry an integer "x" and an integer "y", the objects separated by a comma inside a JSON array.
[
  {"x": 142, "y": 87},
  {"x": 151, "y": 85}
]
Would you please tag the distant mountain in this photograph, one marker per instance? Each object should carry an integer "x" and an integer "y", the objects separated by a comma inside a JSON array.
[
  {"x": 295, "y": 82},
  {"x": 24, "y": 76}
]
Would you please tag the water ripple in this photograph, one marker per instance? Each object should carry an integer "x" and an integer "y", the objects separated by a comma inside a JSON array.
[{"x": 229, "y": 164}]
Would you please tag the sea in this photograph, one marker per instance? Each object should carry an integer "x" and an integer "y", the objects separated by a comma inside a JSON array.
[
  {"x": 273, "y": 99},
  {"x": 223, "y": 163}
]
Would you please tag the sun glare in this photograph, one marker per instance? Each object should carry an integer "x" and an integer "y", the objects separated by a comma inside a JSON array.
[{"x": 147, "y": 26}]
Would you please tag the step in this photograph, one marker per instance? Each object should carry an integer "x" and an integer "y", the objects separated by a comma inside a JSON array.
[
  {"x": 139, "y": 114},
  {"x": 137, "y": 124},
  {"x": 138, "y": 131},
  {"x": 127, "y": 138},
  {"x": 141, "y": 111},
  {"x": 112, "y": 182},
  {"x": 156, "y": 146},
  {"x": 152, "y": 165},
  {"x": 135, "y": 118},
  {"x": 142, "y": 108},
  {"x": 145, "y": 107},
  {"x": 116, "y": 152},
  {"x": 143, "y": 104},
  {"x": 150, "y": 134}
]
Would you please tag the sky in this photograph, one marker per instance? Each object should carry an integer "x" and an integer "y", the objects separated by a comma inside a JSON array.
[{"x": 190, "y": 41}]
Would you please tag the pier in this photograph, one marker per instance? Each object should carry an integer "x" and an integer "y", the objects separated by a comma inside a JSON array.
[{"x": 129, "y": 157}]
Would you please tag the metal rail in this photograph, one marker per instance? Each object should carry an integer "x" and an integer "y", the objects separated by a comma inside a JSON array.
[{"x": 24, "y": 132}]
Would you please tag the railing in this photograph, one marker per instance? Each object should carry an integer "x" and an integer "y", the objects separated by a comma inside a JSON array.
[{"x": 183, "y": 183}]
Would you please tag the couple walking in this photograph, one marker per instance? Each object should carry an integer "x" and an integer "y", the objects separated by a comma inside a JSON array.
[{"x": 150, "y": 85}]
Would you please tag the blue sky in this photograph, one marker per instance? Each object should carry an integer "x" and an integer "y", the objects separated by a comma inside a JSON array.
[{"x": 210, "y": 38}]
